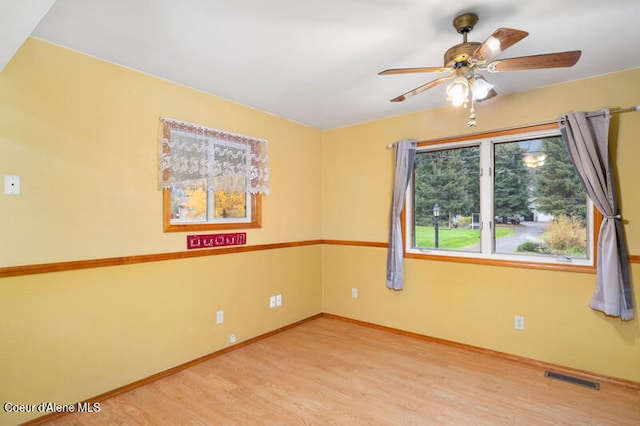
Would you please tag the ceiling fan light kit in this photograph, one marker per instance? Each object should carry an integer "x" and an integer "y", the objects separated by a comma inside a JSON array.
[
  {"x": 458, "y": 91},
  {"x": 464, "y": 61},
  {"x": 481, "y": 88}
]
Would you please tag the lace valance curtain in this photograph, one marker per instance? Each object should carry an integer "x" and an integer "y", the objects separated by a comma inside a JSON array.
[{"x": 189, "y": 153}]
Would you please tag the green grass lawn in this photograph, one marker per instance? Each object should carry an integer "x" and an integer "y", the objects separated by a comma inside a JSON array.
[{"x": 455, "y": 238}]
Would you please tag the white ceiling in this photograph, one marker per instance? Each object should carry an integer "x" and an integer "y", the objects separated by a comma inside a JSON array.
[{"x": 316, "y": 62}]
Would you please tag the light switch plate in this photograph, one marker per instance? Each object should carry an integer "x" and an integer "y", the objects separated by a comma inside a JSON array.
[{"x": 12, "y": 185}]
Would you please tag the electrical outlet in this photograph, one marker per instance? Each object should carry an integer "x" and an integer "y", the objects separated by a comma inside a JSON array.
[
  {"x": 12, "y": 185},
  {"x": 219, "y": 317},
  {"x": 354, "y": 293},
  {"x": 519, "y": 323},
  {"x": 232, "y": 339},
  {"x": 279, "y": 300},
  {"x": 272, "y": 302}
]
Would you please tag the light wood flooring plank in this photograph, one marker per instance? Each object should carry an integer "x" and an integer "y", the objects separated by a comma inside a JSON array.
[{"x": 333, "y": 372}]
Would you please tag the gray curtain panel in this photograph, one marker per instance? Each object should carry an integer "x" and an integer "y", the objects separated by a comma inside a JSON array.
[
  {"x": 586, "y": 137},
  {"x": 405, "y": 157}
]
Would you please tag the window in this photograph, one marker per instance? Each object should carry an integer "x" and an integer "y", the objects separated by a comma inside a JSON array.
[
  {"x": 212, "y": 179},
  {"x": 504, "y": 197}
]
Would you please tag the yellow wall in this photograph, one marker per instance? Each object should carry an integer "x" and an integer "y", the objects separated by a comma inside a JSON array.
[
  {"x": 82, "y": 134},
  {"x": 470, "y": 303}
]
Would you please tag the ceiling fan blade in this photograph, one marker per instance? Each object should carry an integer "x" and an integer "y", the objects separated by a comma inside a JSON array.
[
  {"x": 422, "y": 88},
  {"x": 492, "y": 94},
  {"x": 414, "y": 70},
  {"x": 548, "y": 60},
  {"x": 498, "y": 42}
]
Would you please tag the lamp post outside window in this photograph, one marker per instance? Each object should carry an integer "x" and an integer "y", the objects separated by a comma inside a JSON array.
[{"x": 436, "y": 216}]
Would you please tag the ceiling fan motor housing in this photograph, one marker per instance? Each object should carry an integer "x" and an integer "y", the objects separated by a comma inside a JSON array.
[{"x": 458, "y": 55}]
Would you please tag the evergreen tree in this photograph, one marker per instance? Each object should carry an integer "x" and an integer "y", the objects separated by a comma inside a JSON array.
[
  {"x": 557, "y": 185},
  {"x": 450, "y": 178},
  {"x": 511, "y": 181}
]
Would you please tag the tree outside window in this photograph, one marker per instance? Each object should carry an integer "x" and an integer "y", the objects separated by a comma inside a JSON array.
[{"x": 514, "y": 197}]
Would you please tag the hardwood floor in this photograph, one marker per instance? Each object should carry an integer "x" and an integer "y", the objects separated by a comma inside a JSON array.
[{"x": 329, "y": 371}]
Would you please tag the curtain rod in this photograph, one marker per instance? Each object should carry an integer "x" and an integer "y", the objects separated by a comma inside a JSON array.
[{"x": 542, "y": 123}]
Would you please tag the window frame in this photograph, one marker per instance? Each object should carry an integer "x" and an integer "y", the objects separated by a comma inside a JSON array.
[
  {"x": 254, "y": 222},
  {"x": 253, "y": 200},
  {"x": 487, "y": 255}
]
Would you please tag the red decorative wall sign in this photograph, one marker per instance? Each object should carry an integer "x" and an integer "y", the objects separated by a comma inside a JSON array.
[{"x": 216, "y": 240}]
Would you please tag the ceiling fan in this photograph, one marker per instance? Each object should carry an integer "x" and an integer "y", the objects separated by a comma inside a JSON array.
[{"x": 463, "y": 62}]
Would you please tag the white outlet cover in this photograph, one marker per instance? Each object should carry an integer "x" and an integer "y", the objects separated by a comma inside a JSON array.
[
  {"x": 519, "y": 322},
  {"x": 232, "y": 338},
  {"x": 12, "y": 185}
]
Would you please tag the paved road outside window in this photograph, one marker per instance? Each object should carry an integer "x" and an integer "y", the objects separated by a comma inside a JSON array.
[{"x": 526, "y": 231}]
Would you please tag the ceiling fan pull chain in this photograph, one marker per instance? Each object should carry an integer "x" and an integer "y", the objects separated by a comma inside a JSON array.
[{"x": 472, "y": 115}]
